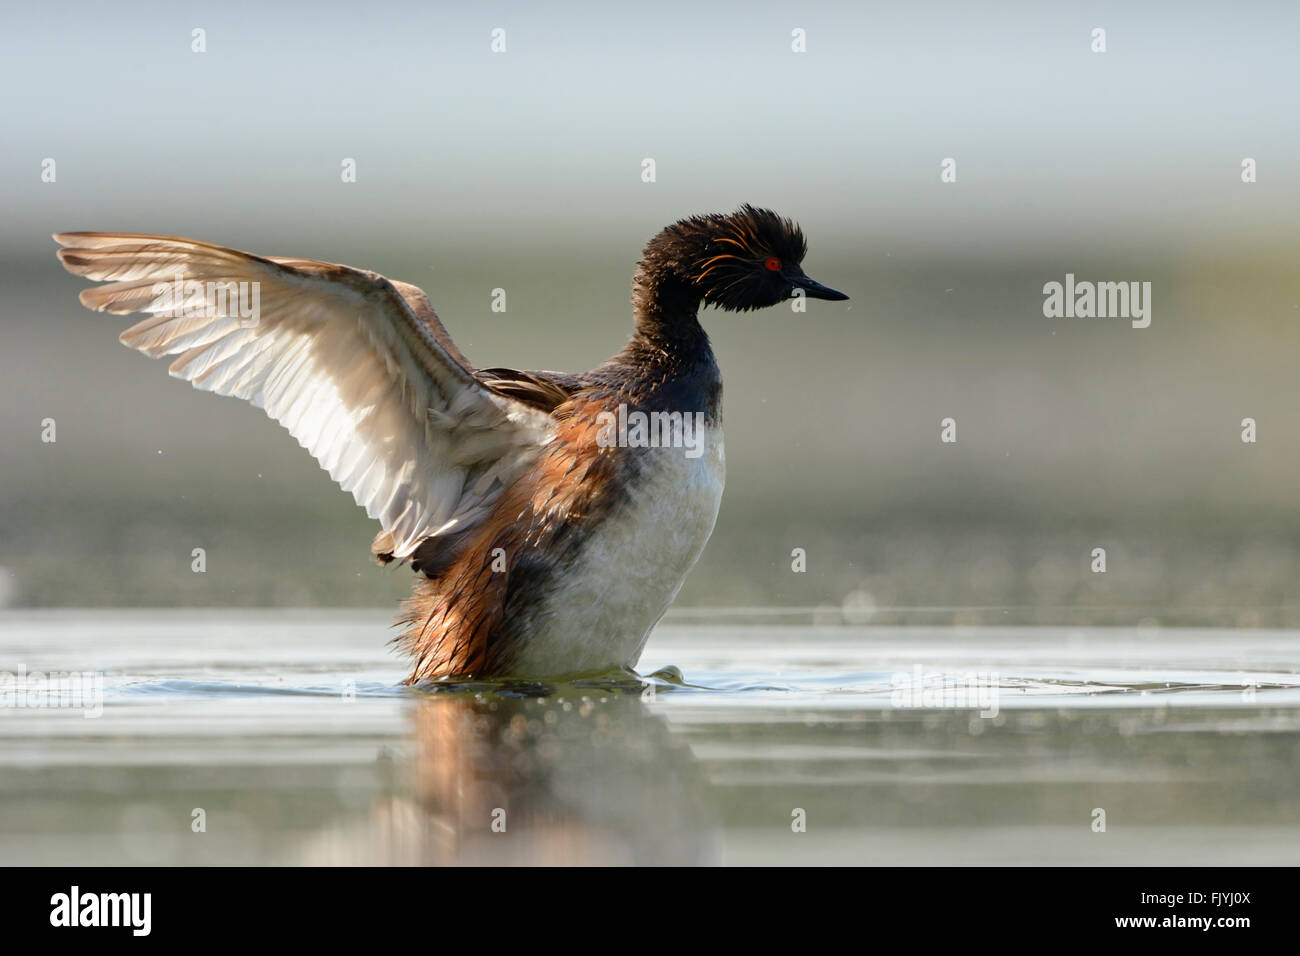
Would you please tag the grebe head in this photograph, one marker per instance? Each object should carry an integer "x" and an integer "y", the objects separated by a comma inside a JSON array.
[{"x": 749, "y": 259}]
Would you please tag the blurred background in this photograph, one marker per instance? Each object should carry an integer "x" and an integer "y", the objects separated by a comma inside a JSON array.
[{"x": 522, "y": 170}]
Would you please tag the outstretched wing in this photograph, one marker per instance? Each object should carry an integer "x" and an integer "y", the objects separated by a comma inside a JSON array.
[{"x": 360, "y": 371}]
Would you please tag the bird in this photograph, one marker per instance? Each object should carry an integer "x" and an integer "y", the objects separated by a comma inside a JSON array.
[{"x": 550, "y": 518}]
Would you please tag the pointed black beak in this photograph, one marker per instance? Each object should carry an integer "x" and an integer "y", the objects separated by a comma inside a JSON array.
[{"x": 815, "y": 290}]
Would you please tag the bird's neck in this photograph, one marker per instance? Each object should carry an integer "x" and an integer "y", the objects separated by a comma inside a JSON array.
[
  {"x": 668, "y": 364},
  {"x": 666, "y": 309}
]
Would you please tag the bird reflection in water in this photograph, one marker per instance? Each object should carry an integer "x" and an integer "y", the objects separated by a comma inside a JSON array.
[{"x": 535, "y": 774}]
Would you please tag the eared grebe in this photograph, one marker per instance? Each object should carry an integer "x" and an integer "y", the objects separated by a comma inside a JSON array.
[{"x": 551, "y": 518}]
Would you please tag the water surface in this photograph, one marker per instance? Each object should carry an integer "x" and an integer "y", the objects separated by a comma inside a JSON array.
[{"x": 290, "y": 733}]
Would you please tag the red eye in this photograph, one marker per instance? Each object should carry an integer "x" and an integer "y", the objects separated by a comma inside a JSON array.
[{"x": 773, "y": 264}]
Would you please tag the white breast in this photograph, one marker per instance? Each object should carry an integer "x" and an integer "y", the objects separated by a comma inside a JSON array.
[{"x": 604, "y": 606}]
